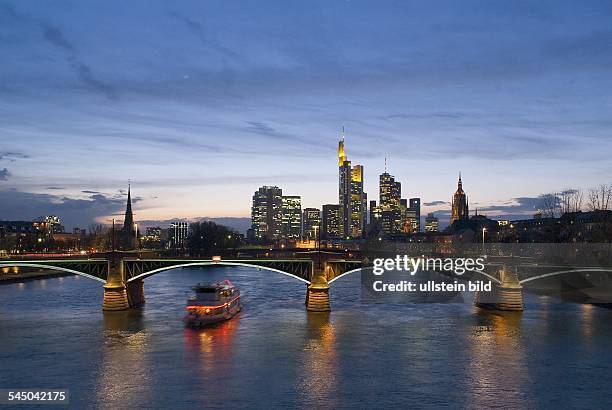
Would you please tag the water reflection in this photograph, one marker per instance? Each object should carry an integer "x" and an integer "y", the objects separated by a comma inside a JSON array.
[
  {"x": 320, "y": 364},
  {"x": 497, "y": 371},
  {"x": 123, "y": 372},
  {"x": 211, "y": 344}
]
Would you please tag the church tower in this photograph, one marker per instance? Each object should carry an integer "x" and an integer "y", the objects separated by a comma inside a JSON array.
[
  {"x": 128, "y": 236},
  {"x": 460, "y": 209}
]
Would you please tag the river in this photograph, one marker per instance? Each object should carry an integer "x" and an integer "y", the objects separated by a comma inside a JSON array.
[{"x": 53, "y": 334}]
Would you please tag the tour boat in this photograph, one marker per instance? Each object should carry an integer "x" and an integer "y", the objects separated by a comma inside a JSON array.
[{"x": 212, "y": 303}]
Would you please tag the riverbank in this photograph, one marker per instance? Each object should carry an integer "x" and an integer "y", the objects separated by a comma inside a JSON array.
[{"x": 29, "y": 276}]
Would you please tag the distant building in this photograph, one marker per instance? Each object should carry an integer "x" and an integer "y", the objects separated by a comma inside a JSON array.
[
  {"x": 330, "y": 222},
  {"x": 154, "y": 232},
  {"x": 54, "y": 224},
  {"x": 291, "y": 225},
  {"x": 460, "y": 209},
  {"x": 431, "y": 223},
  {"x": 266, "y": 214},
  {"x": 415, "y": 206},
  {"x": 311, "y": 223},
  {"x": 177, "y": 235},
  {"x": 353, "y": 201}
]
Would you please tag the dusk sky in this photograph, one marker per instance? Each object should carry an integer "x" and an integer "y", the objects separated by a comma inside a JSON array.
[{"x": 200, "y": 103}]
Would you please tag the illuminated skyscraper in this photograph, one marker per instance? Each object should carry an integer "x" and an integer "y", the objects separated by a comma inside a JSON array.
[
  {"x": 291, "y": 226},
  {"x": 353, "y": 202},
  {"x": 267, "y": 214},
  {"x": 177, "y": 234},
  {"x": 330, "y": 223},
  {"x": 311, "y": 223},
  {"x": 415, "y": 206},
  {"x": 460, "y": 209}
]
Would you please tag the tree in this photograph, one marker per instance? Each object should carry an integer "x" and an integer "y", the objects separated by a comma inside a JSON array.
[
  {"x": 600, "y": 198},
  {"x": 551, "y": 205},
  {"x": 570, "y": 200},
  {"x": 206, "y": 237}
]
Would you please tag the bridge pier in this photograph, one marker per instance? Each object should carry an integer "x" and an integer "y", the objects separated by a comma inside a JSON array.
[
  {"x": 507, "y": 296},
  {"x": 115, "y": 291},
  {"x": 135, "y": 293},
  {"x": 317, "y": 293}
]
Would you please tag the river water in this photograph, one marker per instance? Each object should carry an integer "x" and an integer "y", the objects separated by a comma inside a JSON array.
[{"x": 53, "y": 334}]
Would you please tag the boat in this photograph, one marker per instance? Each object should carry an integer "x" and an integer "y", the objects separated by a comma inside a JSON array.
[{"x": 212, "y": 303}]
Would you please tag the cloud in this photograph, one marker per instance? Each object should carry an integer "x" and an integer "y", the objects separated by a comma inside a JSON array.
[
  {"x": 17, "y": 205},
  {"x": 54, "y": 188},
  {"x": 12, "y": 156},
  {"x": 83, "y": 71},
  {"x": 4, "y": 174},
  {"x": 90, "y": 192},
  {"x": 436, "y": 203}
]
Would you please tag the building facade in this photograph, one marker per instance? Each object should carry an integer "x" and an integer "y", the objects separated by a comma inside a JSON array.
[
  {"x": 291, "y": 224},
  {"x": 266, "y": 214},
  {"x": 431, "y": 223},
  {"x": 177, "y": 235},
  {"x": 311, "y": 223},
  {"x": 330, "y": 222}
]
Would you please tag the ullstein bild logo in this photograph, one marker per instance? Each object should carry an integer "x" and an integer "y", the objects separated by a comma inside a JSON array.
[{"x": 412, "y": 265}]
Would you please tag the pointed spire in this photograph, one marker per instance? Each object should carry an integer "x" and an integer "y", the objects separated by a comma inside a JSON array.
[
  {"x": 460, "y": 184},
  {"x": 128, "y": 221},
  {"x": 385, "y": 164},
  {"x": 342, "y": 133}
]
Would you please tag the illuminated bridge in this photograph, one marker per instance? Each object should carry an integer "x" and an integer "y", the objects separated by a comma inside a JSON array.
[{"x": 122, "y": 273}]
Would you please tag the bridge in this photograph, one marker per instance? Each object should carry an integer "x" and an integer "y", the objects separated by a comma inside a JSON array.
[{"x": 122, "y": 273}]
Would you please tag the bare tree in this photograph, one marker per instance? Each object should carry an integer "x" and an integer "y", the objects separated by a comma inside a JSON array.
[
  {"x": 551, "y": 205},
  {"x": 600, "y": 198},
  {"x": 570, "y": 200}
]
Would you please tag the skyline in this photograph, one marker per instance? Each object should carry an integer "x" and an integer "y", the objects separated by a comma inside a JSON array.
[{"x": 514, "y": 96}]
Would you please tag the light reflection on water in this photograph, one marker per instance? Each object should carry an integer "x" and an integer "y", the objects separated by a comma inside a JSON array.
[{"x": 275, "y": 354}]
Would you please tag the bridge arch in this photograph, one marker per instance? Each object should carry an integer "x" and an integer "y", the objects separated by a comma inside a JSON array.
[
  {"x": 211, "y": 263},
  {"x": 556, "y": 273},
  {"x": 345, "y": 273},
  {"x": 494, "y": 279},
  {"x": 50, "y": 267}
]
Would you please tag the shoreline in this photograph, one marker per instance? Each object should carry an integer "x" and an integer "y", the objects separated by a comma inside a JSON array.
[{"x": 30, "y": 276}]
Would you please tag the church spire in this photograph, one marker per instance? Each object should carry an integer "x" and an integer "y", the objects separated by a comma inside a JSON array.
[
  {"x": 128, "y": 221},
  {"x": 460, "y": 184}
]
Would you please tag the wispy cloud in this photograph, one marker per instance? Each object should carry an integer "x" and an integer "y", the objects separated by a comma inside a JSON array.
[{"x": 56, "y": 37}]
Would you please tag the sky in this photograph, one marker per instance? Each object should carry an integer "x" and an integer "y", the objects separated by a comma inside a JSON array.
[{"x": 199, "y": 103}]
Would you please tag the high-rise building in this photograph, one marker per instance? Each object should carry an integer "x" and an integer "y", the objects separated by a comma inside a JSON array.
[
  {"x": 177, "y": 235},
  {"x": 330, "y": 222},
  {"x": 353, "y": 202},
  {"x": 266, "y": 214},
  {"x": 311, "y": 223},
  {"x": 291, "y": 225},
  {"x": 390, "y": 191},
  {"x": 415, "y": 205},
  {"x": 431, "y": 223},
  {"x": 460, "y": 209}
]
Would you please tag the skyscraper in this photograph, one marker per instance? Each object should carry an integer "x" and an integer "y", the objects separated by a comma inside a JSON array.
[
  {"x": 460, "y": 209},
  {"x": 353, "y": 201},
  {"x": 291, "y": 226},
  {"x": 177, "y": 234},
  {"x": 266, "y": 214},
  {"x": 415, "y": 205},
  {"x": 311, "y": 223},
  {"x": 330, "y": 223}
]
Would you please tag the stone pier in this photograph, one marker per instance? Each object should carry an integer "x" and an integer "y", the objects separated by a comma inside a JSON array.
[
  {"x": 506, "y": 296},
  {"x": 317, "y": 294},
  {"x": 135, "y": 293},
  {"x": 115, "y": 291}
]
